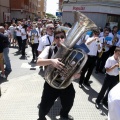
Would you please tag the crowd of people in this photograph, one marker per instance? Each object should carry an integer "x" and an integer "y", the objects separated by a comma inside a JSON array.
[{"x": 104, "y": 53}]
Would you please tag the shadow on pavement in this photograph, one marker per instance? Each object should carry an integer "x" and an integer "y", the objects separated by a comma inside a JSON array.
[{"x": 93, "y": 94}]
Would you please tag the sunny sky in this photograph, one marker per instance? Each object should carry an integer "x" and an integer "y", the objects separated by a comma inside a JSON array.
[{"x": 52, "y": 6}]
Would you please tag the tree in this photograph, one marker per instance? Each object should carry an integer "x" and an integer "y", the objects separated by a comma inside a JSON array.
[{"x": 49, "y": 15}]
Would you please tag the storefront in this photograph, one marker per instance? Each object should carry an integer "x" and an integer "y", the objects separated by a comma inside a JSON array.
[{"x": 98, "y": 12}]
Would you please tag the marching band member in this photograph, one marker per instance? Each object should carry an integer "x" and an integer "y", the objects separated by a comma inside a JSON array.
[
  {"x": 50, "y": 94},
  {"x": 104, "y": 54},
  {"x": 115, "y": 39},
  {"x": 34, "y": 41},
  {"x": 111, "y": 77},
  {"x": 93, "y": 45},
  {"x": 114, "y": 103},
  {"x": 47, "y": 39}
]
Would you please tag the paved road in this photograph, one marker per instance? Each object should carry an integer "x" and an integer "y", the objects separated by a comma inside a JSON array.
[{"x": 21, "y": 93}]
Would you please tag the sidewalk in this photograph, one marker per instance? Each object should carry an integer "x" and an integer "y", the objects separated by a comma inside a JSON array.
[
  {"x": 20, "y": 101},
  {"x": 22, "y": 93}
]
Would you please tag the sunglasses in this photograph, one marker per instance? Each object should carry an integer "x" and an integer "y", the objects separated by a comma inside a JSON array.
[
  {"x": 51, "y": 28},
  {"x": 57, "y": 37}
]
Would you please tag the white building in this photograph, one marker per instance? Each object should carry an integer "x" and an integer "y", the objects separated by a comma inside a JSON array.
[{"x": 100, "y": 11}]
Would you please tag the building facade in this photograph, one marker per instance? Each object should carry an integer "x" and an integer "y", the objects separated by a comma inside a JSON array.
[
  {"x": 100, "y": 11},
  {"x": 42, "y": 8},
  {"x": 4, "y": 11},
  {"x": 23, "y": 9}
]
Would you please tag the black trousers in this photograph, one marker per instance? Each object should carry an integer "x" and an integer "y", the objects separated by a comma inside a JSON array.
[
  {"x": 89, "y": 66},
  {"x": 34, "y": 50},
  {"x": 101, "y": 61},
  {"x": 23, "y": 46},
  {"x": 50, "y": 94},
  {"x": 109, "y": 83},
  {"x": 19, "y": 39}
]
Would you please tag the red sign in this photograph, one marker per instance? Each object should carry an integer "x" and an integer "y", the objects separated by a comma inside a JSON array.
[{"x": 78, "y": 8}]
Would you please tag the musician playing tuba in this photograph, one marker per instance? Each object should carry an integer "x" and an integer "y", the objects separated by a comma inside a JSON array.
[
  {"x": 50, "y": 94},
  {"x": 65, "y": 63},
  {"x": 104, "y": 54}
]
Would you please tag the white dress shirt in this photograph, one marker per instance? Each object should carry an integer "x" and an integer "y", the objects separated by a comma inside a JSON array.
[
  {"x": 109, "y": 63},
  {"x": 24, "y": 36},
  {"x": 43, "y": 42},
  {"x": 102, "y": 39},
  {"x": 93, "y": 47},
  {"x": 114, "y": 103}
]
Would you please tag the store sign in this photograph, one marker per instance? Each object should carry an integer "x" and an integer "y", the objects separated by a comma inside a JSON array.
[{"x": 79, "y": 8}]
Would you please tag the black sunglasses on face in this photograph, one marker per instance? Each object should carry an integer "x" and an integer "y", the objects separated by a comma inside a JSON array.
[
  {"x": 57, "y": 37},
  {"x": 52, "y": 28}
]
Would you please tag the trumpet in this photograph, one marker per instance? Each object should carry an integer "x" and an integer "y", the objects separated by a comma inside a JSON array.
[
  {"x": 98, "y": 42},
  {"x": 32, "y": 38},
  {"x": 115, "y": 40}
]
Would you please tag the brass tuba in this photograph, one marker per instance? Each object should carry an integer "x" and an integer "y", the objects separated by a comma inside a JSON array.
[{"x": 73, "y": 58}]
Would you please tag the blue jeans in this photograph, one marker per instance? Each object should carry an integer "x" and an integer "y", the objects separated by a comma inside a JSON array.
[{"x": 6, "y": 58}]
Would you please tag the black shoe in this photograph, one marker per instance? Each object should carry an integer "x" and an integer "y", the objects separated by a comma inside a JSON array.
[
  {"x": 69, "y": 117},
  {"x": 81, "y": 86},
  {"x": 97, "y": 105},
  {"x": 105, "y": 104},
  {"x": 87, "y": 84}
]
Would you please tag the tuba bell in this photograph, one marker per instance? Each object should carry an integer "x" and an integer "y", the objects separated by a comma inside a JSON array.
[{"x": 71, "y": 55}]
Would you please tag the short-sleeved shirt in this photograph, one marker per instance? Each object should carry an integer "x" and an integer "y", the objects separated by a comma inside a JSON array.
[
  {"x": 93, "y": 47},
  {"x": 25, "y": 34},
  {"x": 114, "y": 103},
  {"x": 44, "y": 41},
  {"x": 35, "y": 32},
  {"x": 109, "y": 63},
  {"x": 44, "y": 54},
  {"x": 102, "y": 39}
]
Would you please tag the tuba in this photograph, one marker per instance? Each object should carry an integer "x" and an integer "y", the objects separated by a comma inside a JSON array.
[{"x": 71, "y": 55}]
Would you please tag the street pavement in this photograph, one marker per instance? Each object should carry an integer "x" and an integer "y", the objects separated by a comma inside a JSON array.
[{"x": 22, "y": 90}]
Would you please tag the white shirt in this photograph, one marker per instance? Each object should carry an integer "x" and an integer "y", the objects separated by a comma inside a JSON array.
[
  {"x": 93, "y": 47},
  {"x": 18, "y": 32},
  {"x": 109, "y": 63},
  {"x": 39, "y": 31},
  {"x": 44, "y": 54},
  {"x": 43, "y": 42},
  {"x": 36, "y": 39},
  {"x": 114, "y": 103},
  {"x": 112, "y": 36},
  {"x": 118, "y": 43},
  {"x": 108, "y": 42},
  {"x": 12, "y": 29},
  {"x": 101, "y": 34},
  {"x": 25, "y": 34},
  {"x": 7, "y": 33}
]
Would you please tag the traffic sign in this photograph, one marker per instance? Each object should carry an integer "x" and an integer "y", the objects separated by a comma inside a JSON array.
[{"x": 59, "y": 14}]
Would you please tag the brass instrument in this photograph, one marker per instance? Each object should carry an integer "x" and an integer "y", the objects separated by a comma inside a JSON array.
[
  {"x": 32, "y": 38},
  {"x": 73, "y": 58},
  {"x": 103, "y": 50},
  {"x": 115, "y": 40}
]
